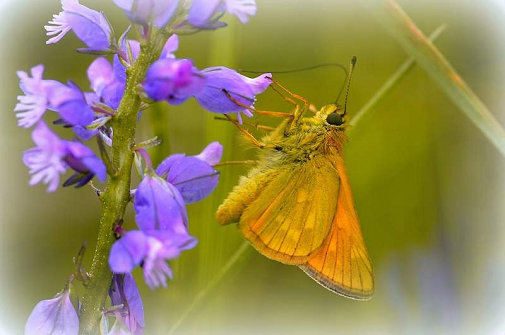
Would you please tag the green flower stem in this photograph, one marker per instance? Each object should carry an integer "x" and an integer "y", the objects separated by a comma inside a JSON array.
[{"x": 117, "y": 192}]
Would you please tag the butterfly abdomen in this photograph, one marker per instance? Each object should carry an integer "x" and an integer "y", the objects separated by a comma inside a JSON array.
[{"x": 242, "y": 196}]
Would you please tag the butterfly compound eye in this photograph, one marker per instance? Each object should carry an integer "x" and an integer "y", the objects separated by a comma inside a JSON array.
[{"x": 334, "y": 119}]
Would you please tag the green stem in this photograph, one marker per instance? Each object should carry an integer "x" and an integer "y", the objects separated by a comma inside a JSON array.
[{"x": 117, "y": 192}]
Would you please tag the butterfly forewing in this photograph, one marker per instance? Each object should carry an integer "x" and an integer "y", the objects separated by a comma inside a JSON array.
[{"x": 292, "y": 216}]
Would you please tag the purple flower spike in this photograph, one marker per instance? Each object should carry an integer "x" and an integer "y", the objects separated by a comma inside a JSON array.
[
  {"x": 124, "y": 292},
  {"x": 241, "y": 88},
  {"x": 70, "y": 102},
  {"x": 159, "y": 205},
  {"x": 146, "y": 11},
  {"x": 34, "y": 103},
  {"x": 202, "y": 12},
  {"x": 45, "y": 160},
  {"x": 53, "y": 316},
  {"x": 89, "y": 26},
  {"x": 153, "y": 248},
  {"x": 172, "y": 80}
]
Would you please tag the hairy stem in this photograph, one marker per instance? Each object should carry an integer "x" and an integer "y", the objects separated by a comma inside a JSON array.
[{"x": 117, "y": 192}]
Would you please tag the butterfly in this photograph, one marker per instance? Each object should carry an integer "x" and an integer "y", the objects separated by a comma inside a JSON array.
[{"x": 295, "y": 205}]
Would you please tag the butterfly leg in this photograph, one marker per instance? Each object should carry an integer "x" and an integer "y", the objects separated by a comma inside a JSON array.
[
  {"x": 299, "y": 112},
  {"x": 250, "y": 137},
  {"x": 247, "y": 162},
  {"x": 256, "y": 125},
  {"x": 254, "y": 110}
]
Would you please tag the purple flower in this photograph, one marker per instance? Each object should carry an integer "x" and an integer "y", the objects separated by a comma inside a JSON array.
[
  {"x": 82, "y": 160},
  {"x": 212, "y": 153},
  {"x": 194, "y": 176},
  {"x": 149, "y": 11},
  {"x": 159, "y": 205},
  {"x": 124, "y": 292},
  {"x": 203, "y": 12},
  {"x": 71, "y": 103},
  {"x": 172, "y": 80},
  {"x": 34, "y": 103},
  {"x": 170, "y": 47},
  {"x": 53, "y": 316},
  {"x": 45, "y": 160},
  {"x": 243, "y": 89},
  {"x": 152, "y": 249},
  {"x": 89, "y": 26},
  {"x": 107, "y": 82},
  {"x": 52, "y": 156}
]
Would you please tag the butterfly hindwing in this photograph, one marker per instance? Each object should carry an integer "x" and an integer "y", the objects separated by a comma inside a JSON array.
[
  {"x": 292, "y": 216},
  {"x": 343, "y": 265}
]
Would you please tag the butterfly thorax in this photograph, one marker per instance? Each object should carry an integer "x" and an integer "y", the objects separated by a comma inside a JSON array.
[{"x": 311, "y": 137}]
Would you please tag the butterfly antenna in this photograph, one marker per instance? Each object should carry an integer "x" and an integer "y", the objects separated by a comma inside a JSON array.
[
  {"x": 313, "y": 67},
  {"x": 351, "y": 70}
]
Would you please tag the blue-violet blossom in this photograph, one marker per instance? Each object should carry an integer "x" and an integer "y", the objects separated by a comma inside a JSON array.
[
  {"x": 151, "y": 248},
  {"x": 175, "y": 81},
  {"x": 202, "y": 12},
  {"x": 243, "y": 89},
  {"x": 52, "y": 156},
  {"x": 89, "y": 26},
  {"x": 32, "y": 106},
  {"x": 149, "y": 11},
  {"x": 193, "y": 176},
  {"x": 124, "y": 292}
]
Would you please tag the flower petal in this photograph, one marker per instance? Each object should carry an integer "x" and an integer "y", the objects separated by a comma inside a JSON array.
[
  {"x": 193, "y": 177},
  {"x": 82, "y": 159},
  {"x": 212, "y": 97},
  {"x": 202, "y": 11},
  {"x": 100, "y": 75},
  {"x": 128, "y": 252},
  {"x": 170, "y": 47},
  {"x": 241, "y": 9},
  {"x": 212, "y": 153},
  {"x": 53, "y": 316},
  {"x": 92, "y": 33},
  {"x": 159, "y": 205}
]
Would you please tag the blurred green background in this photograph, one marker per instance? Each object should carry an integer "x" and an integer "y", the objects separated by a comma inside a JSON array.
[{"x": 428, "y": 187}]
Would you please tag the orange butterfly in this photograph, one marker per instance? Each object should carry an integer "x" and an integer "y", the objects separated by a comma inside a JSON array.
[{"x": 295, "y": 206}]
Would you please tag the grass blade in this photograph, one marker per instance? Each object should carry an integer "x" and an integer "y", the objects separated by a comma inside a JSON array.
[{"x": 390, "y": 14}]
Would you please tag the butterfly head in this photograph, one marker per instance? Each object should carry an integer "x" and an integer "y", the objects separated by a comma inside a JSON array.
[{"x": 332, "y": 114}]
